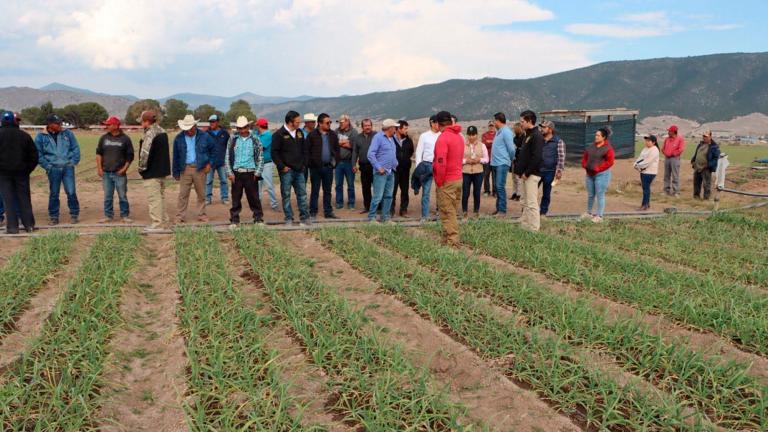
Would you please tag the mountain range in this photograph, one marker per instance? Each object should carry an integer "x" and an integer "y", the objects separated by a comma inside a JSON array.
[{"x": 703, "y": 89}]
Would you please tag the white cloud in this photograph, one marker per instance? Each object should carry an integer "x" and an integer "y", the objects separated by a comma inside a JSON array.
[
  {"x": 723, "y": 27},
  {"x": 628, "y": 26},
  {"x": 313, "y": 46}
]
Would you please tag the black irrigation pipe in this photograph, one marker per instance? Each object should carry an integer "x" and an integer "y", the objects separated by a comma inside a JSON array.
[{"x": 322, "y": 223}]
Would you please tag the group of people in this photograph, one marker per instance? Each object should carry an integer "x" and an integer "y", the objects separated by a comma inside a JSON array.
[
  {"x": 243, "y": 161},
  {"x": 703, "y": 162}
]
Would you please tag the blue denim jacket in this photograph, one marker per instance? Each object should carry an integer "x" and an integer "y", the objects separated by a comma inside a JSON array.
[
  {"x": 61, "y": 152},
  {"x": 203, "y": 150}
]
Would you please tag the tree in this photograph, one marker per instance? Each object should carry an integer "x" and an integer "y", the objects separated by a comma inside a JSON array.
[
  {"x": 37, "y": 115},
  {"x": 238, "y": 108},
  {"x": 174, "y": 110},
  {"x": 84, "y": 114},
  {"x": 204, "y": 111},
  {"x": 135, "y": 110}
]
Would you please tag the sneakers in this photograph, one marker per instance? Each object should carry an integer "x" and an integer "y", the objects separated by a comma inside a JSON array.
[
  {"x": 232, "y": 226},
  {"x": 53, "y": 221},
  {"x": 339, "y": 206},
  {"x": 597, "y": 219},
  {"x": 275, "y": 208},
  {"x": 106, "y": 220},
  {"x": 363, "y": 211},
  {"x": 585, "y": 216},
  {"x": 73, "y": 220},
  {"x": 487, "y": 194},
  {"x": 208, "y": 202},
  {"x": 373, "y": 222},
  {"x": 331, "y": 216},
  {"x": 499, "y": 214},
  {"x": 126, "y": 220},
  {"x": 351, "y": 206},
  {"x": 225, "y": 201},
  {"x": 258, "y": 222}
]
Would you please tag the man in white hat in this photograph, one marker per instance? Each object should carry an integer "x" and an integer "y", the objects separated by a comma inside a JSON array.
[
  {"x": 244, "y": 162},
  {"x": 192, "y": 152},
  {"x": 310, "y": 122},
  {"x": 383, "y": 157}
]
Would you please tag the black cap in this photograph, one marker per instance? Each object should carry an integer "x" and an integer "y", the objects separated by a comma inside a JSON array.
[
  {"x": 472, "y": 130},
  {"x": 433, "y": 119},
  {"x": 443, "y": 117},
  {"x": 53, "y": 118},
  {"x": 651, "y": 138}
]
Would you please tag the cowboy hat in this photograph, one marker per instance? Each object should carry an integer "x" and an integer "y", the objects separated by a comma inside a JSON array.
[
  {"x": 310, "y": 117},
  {"x": 242, "y": 122},
  {"x": 187, "y": 123}
]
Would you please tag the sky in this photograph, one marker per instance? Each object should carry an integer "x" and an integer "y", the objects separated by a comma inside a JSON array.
[{"x": 155, "y": 48}]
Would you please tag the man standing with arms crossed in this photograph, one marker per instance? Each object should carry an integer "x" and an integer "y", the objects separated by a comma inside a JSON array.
[
  {"x": 220, "y": 139},
  {"x": 114, "y": 155},
  {"x": 674, "y": 145},
  {"x": 290, "y": 154},
  {"x": 447, "y": 169},
  {"x": 403, "y": 174},
  {"x": 528, "y": 167},
  {"x": 344, "y": 168}
]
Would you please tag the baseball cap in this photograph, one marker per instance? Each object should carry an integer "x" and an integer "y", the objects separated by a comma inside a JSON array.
[
  {"x": 112, "y": 120},
  {"x": 433, "y": 119},
  {"x": 388, "y": 123},
  {"x": 548, "y": 124},
  {"x": 262, "y": 122},
  {"x": 651, "y": 138},
  {"x": 472, "y": 130},
  {"x": 213, "y": 118},
  {"x": 8, "y": 117},
  {"x": 443, "y": 117},
  {"x": 672, "y": 128},
  {"x": 53, "y": 118}
]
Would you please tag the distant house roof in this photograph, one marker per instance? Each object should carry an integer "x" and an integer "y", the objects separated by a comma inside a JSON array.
[{"x": 586, "y": 114}]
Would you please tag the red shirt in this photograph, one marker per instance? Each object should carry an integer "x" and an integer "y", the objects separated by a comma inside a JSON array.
[
  {"x": 606, "y": 163},
  {"x": 487, "y": 139},
  {"x": 449, "y": 156},
  {"x": 673, "y": 147}
]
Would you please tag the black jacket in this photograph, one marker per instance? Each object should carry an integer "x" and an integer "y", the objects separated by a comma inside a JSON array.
[
  {"x": 159, "y": 161},
  {"x": 18, "y": 154},
  {"x": 288, "y": 151},
  {"x": 315, "y": 148},
  {"x": 530, "y": 160},
  {"x": 404, "y": 152}
]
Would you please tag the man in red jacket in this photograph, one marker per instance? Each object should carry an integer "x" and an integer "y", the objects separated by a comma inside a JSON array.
[
  {"x": 674, "y": 145},
  {"x": 449, "y": 155}
]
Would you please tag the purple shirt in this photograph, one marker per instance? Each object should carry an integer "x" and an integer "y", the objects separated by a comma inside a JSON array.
[{"x": 382, "y": 154}]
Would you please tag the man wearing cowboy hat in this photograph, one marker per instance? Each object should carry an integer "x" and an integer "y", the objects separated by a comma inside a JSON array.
[
  {"x": 192, "y": 152},
  {"x": 244, "y": 162},
  {"x": 383, "y": 157}
]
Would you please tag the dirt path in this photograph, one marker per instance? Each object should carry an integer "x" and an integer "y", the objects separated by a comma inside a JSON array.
[
  {"x": 146, "y": 368},
  {"x": 31, "y": 321},
  {"x": 704, "y": 342},
  {"x": 307, "y": 383},
  {"x": 9, "y": 247},
  {"x": 489, "y": 396}
]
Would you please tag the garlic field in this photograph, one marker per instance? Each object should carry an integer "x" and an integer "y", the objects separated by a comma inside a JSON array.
[{"x": 653, "y": 324}]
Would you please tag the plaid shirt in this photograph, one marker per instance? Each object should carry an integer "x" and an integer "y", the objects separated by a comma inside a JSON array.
[{"x": 560, "y": 155}]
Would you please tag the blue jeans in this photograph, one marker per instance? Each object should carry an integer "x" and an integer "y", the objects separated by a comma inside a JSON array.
[
  {"x": 646, "y": 180},
  {"x": 112, "y": 182},
  {"x": 56, "y": 177},
  {"x": 344, "y": 171},
  {"x": 267, "y": 180},
  {"x": 223, "y": 183},
  {"x": 383, "y": 185},
  {"x": 547, "y": 177},
  {"x": 426, "y": 190},
  {"x": 500, "y": 180},
  {"x": 296, "y": 180},
  {"x": 320, "y": 177},
  {"x": 596, "y": 188}
]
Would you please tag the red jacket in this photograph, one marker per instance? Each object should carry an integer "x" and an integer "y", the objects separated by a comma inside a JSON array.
[
  {"x": 449, "y": 156},
  {"x": 606, "y": 164},
  {"x": 673, "y": 147}
]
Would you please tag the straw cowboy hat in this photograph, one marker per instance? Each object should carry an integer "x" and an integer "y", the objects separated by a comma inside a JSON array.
[
  {"x": 187, "y": 123},
  {"x": 242, "y": 122},
  {"x": 310, "y": 117}
]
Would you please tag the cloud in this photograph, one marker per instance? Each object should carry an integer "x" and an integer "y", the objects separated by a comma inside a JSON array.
[
  {"x": 723, "y": 27},
  {"x": 319, "y": 47},
  {"x": 628, "y": 26}
]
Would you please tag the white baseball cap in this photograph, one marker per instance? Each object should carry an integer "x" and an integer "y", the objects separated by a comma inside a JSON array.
[{"x": 388, "y": 123}]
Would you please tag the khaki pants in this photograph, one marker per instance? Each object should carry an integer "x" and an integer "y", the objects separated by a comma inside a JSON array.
[
  {"x": 448, "y": 201},
  {"x": 191, "y": 177},
  {"x": 530, "y": 219},
  {"x": 155, "y": 188}
]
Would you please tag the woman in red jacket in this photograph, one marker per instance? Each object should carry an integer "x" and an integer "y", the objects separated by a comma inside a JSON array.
[{"x": 597, "y": 161}]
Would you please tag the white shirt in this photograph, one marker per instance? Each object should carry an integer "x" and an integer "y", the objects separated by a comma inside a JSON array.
[
  {"x": 648, "y": 162},
  {"x": 291, "y": 132},
  {"x": 425, "y": 149}
]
